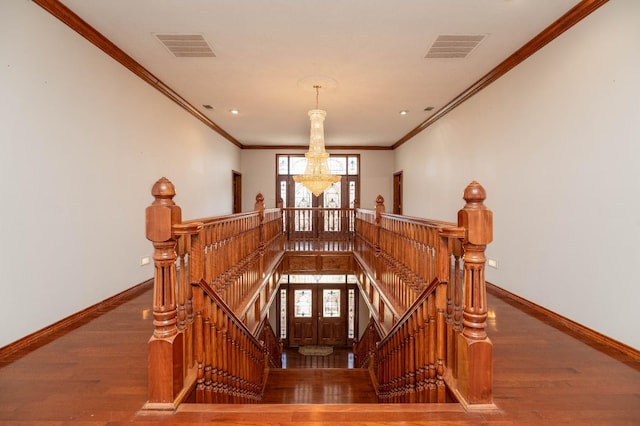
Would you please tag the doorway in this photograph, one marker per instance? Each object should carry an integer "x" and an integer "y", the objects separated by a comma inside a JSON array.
[
  {"x": 397, "y": 193},
  {"x": 317, "y": 315},
  {"x": 236, "y": 190}
]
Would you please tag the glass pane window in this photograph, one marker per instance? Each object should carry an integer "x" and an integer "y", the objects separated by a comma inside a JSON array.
[
  {"x": 331, "y": 303},
  {"x": 337, "y": 165},
  {"x": 283, "y": 193},
  {"x": 298, "y": 164},
  {"x": 302, "y": 303},
  {"x": 283, "y": 314},
  {"x": 283, "y": 165},
  {"x": 352, "y": 194},
  {"x": 353, "y": 165},
  {"x": 302, "y": 197}
]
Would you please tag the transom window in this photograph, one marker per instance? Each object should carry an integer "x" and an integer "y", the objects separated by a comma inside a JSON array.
[{"x": 341, "y": 194}]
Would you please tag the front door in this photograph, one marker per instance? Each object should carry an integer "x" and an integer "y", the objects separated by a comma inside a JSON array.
[{"x": 317, "y": 315}]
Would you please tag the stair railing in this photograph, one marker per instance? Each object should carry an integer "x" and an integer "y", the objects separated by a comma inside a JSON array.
[
  {"x": 230, "y": 361},
  {"x": 397, "y": 259},
  {"x": 238, "y": 256}
]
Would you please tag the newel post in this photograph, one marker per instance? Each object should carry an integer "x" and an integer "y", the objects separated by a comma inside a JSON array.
[
  {"x": 259, "y": 207},
  {"x": 166, "y": 345},
  {"x": 475, "y": 350}
]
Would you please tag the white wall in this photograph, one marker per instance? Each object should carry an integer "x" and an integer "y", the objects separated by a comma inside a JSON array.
[
  {"x": 259, "y": 168},
  {"x": 556, "y": 143},
  {"x": 83, "y": 140}
]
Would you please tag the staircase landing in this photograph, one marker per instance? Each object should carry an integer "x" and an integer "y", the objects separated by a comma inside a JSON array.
[{"x": 319, "y": 386}]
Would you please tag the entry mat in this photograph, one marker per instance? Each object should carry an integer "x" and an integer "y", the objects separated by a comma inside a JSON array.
[{"x": 313, "y": 350}]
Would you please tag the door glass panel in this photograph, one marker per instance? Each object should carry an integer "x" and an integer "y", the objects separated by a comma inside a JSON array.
[
  {"x": 283, "y": 192},
  {"x": 332, "y": 199},
  {"x": 283, "y": 314},
  {"x": 352, "y": 194},
  {"x": 302, "y": 196},
  {"x": 332, "y": 196},
  {"x": 331, "y": 303},
  {"x": 302, "y": 303},
  {"x": 351, "y": 320}
]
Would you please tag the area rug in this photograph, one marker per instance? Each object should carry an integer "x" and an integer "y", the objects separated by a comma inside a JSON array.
[{"x": 312, "y": 350}]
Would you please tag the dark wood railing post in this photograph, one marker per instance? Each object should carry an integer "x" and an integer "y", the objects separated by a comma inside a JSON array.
[
  {"x": 259, "y": 207},
  {"x": 475, "y": 350},
  {"x": 166, "y": 345},
  {"x": 379, "y": 211}
]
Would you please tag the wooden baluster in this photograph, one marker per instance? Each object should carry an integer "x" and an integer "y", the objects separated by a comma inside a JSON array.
[
  {"x": 190, "y": 272},
  {"x": 431, "y": 311},
  {"x": 166, "y": 346},
  {"x": 199, "y": 344},
  {"x": 411, "y": 367},
  {"x": 475, "y": 350},
  {"x": 209, "y": 370},
  {"x": 440, "y": 343},
  {"x": 419, "y": 357}
]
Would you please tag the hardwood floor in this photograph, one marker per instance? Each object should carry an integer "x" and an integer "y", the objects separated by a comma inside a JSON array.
[{"x": 95, "y": 374}]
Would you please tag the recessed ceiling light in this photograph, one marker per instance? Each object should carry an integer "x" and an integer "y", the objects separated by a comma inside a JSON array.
[
  {"x": 404, "y": 112},
  {"x": 234, "y": 111}
]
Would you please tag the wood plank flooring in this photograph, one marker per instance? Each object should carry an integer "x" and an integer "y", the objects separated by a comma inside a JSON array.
[{"x": 95, "y": 374}]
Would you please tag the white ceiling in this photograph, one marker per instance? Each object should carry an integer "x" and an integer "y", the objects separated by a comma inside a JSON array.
[{"x": 268, "y": 53}]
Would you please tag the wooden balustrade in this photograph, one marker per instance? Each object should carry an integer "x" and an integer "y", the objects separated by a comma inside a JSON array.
[
  {"x": 239, "y": 257},
  {"x": 422, "y": 280},
  {"x": 230, "y": 360},
  {"x": 319, "y": 229},
  {"x": 364, "y": 348},
  {"x": 444, "y": 341},
  {"x": 409, "y": 361},
  {"x": 273, "y": 346}
]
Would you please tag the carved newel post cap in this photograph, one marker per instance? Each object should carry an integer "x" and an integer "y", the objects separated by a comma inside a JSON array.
[
  {"x": 259, "y": 205},
  {"x": 379, "y": 208},
  {"x": 474, "y": 193},
  {"x": 475, "y": 217},
  {"x": 163, "y": 213},
  {"x": 163, "y": 188}
]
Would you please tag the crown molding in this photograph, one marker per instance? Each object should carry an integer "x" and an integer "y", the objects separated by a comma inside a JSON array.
[
  {"x": 73, "y": 21},
  {"x": 562, "y": 24}
]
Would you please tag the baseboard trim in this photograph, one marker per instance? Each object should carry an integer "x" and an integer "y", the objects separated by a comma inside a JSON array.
[
  {"x": 32, "y": 340},
  {"x": 589, "y": 334}
]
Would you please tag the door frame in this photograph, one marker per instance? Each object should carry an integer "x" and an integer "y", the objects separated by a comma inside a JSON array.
[
  {"x": 397, "y": 192},
  {"x": 236, "y": 192},
  {"x": 319, "y": 320}
]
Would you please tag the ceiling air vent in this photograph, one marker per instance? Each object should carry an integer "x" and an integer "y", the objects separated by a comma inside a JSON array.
[
  {"x": 186, "y": 45},
  {"x": 454, "y": 46}
]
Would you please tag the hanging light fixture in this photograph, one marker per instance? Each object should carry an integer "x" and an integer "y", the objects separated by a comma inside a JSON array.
[{"x": 317, "y": 177}]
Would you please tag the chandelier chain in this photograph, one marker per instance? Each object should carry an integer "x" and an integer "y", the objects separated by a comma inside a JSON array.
[{"x": 317, "y": 87}]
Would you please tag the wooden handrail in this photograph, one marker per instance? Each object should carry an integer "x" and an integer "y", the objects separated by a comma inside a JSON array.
[{"x": 364, "y": 349}]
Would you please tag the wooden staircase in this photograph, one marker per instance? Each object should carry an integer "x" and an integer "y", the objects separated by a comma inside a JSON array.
[{"x": 422, "y": 281}]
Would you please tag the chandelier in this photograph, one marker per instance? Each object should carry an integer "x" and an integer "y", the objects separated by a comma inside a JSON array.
[{"x": 317, "y": 177}]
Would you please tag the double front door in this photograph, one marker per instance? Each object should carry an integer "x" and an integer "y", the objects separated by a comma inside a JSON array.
[{"x": 317, "y": 315}]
